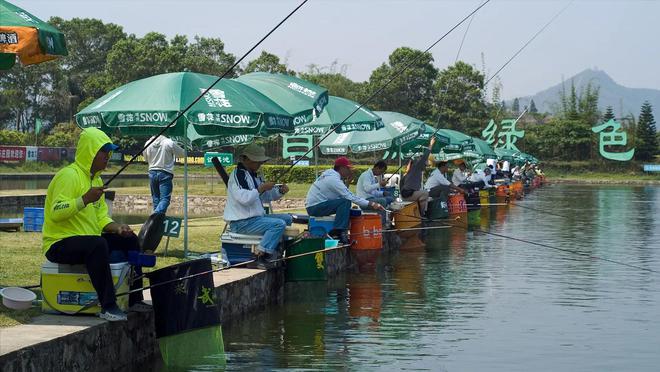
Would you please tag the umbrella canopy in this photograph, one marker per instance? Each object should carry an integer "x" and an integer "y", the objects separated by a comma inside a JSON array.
[
  {"x": 336, "y": 111},
  {"x": 398, "y": 129},
  {"x": 527, "y": 157},
  {"x": 28, "y": 37},
  {"x": 467, "y": 155},
  {"x": 300, "y": 98},
  {"x": 481, "y": 147},
  {"x": 418, "y": 144},
  {"x": 145, "y": 106}
]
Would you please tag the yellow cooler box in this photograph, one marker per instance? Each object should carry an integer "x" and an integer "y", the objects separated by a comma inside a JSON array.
[{"x": 68, "y": 288}]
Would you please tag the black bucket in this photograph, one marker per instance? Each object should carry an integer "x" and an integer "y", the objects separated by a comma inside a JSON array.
[{"x": 184, "y": 305}]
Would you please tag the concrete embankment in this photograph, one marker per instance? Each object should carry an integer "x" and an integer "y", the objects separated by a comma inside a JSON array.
[{"x": 86, "y": 343}]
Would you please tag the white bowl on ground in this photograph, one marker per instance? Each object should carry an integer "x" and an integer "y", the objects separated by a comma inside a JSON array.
[{"x": 17, "y": 298}]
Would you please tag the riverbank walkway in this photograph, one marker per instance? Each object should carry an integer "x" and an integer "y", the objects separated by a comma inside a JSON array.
[{"x": 59, "y": 342}]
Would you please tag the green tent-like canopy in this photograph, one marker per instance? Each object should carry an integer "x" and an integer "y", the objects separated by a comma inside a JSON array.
[
  {"x": 337, "y": 111},
  {"x": 417, "y": 145},
  {"x": 26, "y": 36},
  {"x": 228, "y": 114},
  {"x": 398, "y": 130},
  {"x": 481, "y": 147},
  {"x": 300, "y": 98}
]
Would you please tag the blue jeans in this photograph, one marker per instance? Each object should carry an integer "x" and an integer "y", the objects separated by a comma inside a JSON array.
[
  {"x": 271, "y": 226},
  {"x": 340, "y": 207},
  {"x": 161, "y": 189}
]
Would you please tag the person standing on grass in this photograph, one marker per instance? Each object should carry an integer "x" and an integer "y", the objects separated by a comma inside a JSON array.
[
  {"x": 246, "y": 193},
  {"x": 77, "y": 228},
  {"x": 161, "y": 155}
]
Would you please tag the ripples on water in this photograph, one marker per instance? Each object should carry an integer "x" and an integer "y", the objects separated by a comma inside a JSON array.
[{"x": 467, "y": 301}]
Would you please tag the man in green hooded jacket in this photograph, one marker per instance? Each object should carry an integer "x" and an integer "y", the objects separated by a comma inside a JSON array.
[{"x": 77, "y": 228}]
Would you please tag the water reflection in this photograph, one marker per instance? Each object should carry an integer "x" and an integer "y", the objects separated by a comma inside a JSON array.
[{"x": 459, "y": 299}]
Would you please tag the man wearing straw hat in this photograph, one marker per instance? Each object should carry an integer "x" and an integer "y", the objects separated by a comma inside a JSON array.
[{"x": 246, "y": 194}]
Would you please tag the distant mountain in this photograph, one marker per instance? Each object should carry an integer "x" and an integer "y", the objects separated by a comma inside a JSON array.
[{"x": 611, "y": 94}]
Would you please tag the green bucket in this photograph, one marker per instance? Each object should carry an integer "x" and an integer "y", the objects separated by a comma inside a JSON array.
[
  {"x": 438, "y": 209},
  {"x": 306, "y": 268},
  {"x": 474, "y": 217},
  {"x": 492, "y": 198}
]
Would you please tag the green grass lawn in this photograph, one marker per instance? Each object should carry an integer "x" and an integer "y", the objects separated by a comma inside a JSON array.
[
  {"x": 21, "y": 256},
  {"x": 296, "y": 190}
]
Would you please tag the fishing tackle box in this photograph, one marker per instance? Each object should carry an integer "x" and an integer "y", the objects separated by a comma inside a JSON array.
[{"x": 68, "y": 288}]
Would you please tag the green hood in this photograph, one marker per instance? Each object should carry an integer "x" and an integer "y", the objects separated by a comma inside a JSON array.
[{"x": 90, "y": 142}]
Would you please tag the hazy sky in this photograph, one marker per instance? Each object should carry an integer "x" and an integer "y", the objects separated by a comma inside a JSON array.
[{"x": 619, "y": 37}]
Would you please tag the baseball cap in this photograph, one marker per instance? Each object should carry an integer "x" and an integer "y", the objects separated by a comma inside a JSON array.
[
  {"x": 255, "y": 152},
  {"x": 343, "y": 161},
  {"x": 109, "y": 147}
]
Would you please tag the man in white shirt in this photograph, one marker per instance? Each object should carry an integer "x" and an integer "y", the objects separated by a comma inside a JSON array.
[
  {"x": 246, "y": 193},
  {"x": 161, "y": 155},
  {"x": 370, "y": 182},
  {"x": 329, "y": 195},
  {"x": 460, "y": 175},
  {"x": 438, "y": 185},
  {"x": 482, "y": 177}
]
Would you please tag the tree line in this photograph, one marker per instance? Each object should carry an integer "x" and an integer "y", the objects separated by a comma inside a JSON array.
[{"x": 102, "y": 56}]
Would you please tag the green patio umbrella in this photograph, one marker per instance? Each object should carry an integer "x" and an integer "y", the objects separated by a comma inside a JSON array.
[
  {"x": 230, "y": 113},
  {"x": 337, "y": 111},
  {"x": 145, "y": 106},
  {"x": 528, "y": 157},
  {"x": 481, "y": 147},
  {"x": 300, "y": 98},
  {"x": 398, "y": 130},
  {"x": 28, "y": 37},
  {"x": 418, "y": 144}
]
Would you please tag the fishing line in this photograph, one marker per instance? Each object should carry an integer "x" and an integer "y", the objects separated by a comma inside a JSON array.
[
  {"x": 231, "y": 68},
  {"x": 340, "y": 246},
  {"x": 395, "y": 75},
  {"x": 587, "y": 255},
  {"x": 463, "y": 40},
  {"x": 529, "y": 41}
]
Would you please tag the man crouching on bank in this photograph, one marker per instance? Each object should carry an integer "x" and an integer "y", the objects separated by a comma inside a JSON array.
[
  {"x": 77, "y": 228},
  {"x": 244, "y": 211}
]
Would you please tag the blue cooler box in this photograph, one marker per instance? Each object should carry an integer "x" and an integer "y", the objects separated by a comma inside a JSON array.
[
  {"x": 238, "y": 247},
  {"x": 321, "y": 226}
]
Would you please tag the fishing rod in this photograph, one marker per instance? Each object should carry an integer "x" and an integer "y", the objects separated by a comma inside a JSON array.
[
  {"x": 395, "y": 75},
  {"x": 182, "y": 112},
  {"x": 510, "y": 59},
  {"x": 340, "y": 246},
  {"x": 458, "y": 53},
  {"x": 529, "y": 41}
]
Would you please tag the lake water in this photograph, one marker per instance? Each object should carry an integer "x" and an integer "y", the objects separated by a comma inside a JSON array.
[{"x": 468, "y": 301}]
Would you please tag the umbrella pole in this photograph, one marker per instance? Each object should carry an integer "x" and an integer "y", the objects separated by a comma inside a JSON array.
[
  {"x": 185, "y": 199},
  {"x": 316, "y": 157},
  {"x": 400, "y": 156}
]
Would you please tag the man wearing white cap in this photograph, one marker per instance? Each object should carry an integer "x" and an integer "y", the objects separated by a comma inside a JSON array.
[{"x": 246, "y": 193}]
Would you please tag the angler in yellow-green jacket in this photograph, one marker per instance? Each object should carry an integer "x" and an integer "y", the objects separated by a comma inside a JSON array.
[{"x": 77, "y": 228}]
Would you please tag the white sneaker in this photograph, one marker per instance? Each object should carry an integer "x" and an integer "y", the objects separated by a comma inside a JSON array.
[{"x": 113, "y": 314}]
